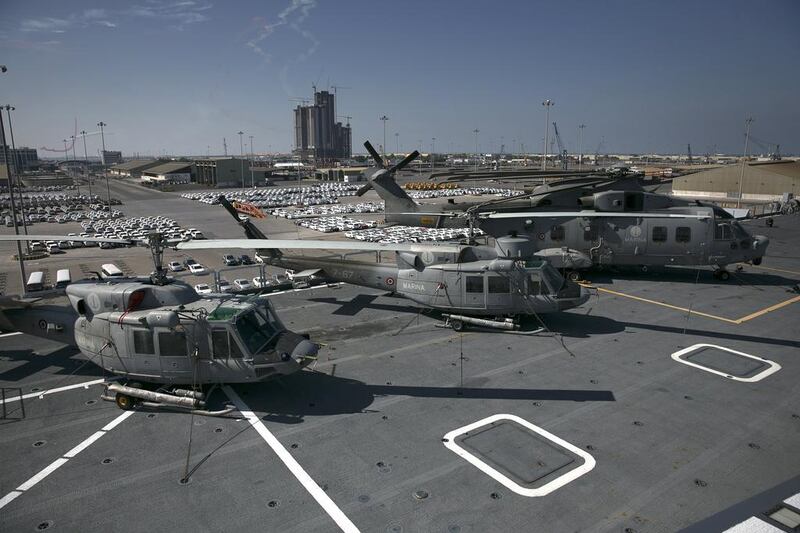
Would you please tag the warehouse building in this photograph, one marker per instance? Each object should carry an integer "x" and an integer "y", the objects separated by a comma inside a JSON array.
[
  {"x": 111, "y": 157},
  {"x": 134, "y": 168},
  {"x": 764, "y": 181},
  {"x": 173, "y": 173},
  {"x": 222, "y": 172}
]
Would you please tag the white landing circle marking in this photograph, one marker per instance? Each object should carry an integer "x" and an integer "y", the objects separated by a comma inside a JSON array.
[
  {"x": 10, "y": 334},
  {"x": 42, "y": 394},
  {"x": 291, "y": 463},
  {"x": 773, "y": 366},
  {"x": 61, "y": 461},
  {"x": 572, "y": 475}
]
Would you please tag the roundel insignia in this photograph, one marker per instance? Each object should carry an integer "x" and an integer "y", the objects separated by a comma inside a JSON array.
[
  {"x": 43, "y": 324},
  {"x": 541, "y": 236},
  {"x": 427, "y": 257},
  {"x": 94, "y": 302},
  {"x": 636, "y": 231},
  {"x": 390, "y": 281}
]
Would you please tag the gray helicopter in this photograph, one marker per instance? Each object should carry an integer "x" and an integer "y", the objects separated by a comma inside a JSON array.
[
  {"x": 159, "y": 330},
  {"x": 464, "y": 281},
  {"x": 591, "y": 221}
]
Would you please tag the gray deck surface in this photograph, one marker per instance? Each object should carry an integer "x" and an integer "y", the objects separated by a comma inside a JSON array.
[{"x": 673, "y": 444}]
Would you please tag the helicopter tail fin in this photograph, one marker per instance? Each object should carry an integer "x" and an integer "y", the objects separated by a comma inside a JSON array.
[
  {"x": 250, "y": 229},
  {"x": 394, "y": 197}
]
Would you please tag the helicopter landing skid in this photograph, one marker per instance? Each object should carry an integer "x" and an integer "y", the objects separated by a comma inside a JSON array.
[{"x": 183, "y": 400}]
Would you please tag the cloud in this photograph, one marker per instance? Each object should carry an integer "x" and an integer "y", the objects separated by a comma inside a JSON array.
[
  {"x": 292, "y": 16},
  {"x": 177, "y": 14}
]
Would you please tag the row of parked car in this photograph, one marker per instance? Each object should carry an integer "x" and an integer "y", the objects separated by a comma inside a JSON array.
[
  {"x": 467, "y": 191},
  {"x": 324, "y": 193},
  {"x": 398, "y": 234},
  {"x": 332, "y": 224},
  {"x": 329, "y": 210},
  {"x": 137, "y": 228}
]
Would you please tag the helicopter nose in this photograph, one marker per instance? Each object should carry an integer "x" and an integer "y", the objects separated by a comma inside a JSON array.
[{"x": 760, "y": 243}]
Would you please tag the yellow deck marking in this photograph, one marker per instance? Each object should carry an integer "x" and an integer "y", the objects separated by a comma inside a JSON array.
[
  {"x": 776, "y": 269},
  {"x": 700, "y": 313}
]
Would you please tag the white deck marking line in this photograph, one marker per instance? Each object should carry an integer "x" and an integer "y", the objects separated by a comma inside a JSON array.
[
  {"x": 773, "y": 366},
  {"x": 794, "y": 501},
  {"x": 283, "y": 454},
  {"x": 42, "y": 394},
  {"x": 547, "y": 488},
  {"x": 61, "y": 461},
  {"x": 753, "y": 525},
  {"x": 10, "y": 334}
]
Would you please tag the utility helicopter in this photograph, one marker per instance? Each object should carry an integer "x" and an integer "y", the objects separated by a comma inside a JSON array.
[
  {"x": 464, "y": 281},
  {"x": 590, "y": 222},
  {"x": 158, "y": 330}
]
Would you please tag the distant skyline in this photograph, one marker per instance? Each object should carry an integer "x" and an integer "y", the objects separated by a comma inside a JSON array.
[{"x": 178, "y": 76}]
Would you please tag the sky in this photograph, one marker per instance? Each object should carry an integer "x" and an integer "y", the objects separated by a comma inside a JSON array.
[{"x": 178, "y": 76}]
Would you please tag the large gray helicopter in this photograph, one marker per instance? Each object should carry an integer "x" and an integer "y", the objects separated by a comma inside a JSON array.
[
  {"x": 159, "y": 330},
  {"x": 592, "y": 221},
  {"x": 464, "y": 281}
]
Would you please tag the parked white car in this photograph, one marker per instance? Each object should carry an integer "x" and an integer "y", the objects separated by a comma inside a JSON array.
[
  {"x": 202, "y": 288},
  {"x": 197, "y": 269},
  {"x": 242, "y": 284},
  {"x": 176, "y": 266},
  {"x": 225, "y": 285}
]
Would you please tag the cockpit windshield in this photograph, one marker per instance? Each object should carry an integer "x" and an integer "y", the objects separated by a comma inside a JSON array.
[
  {"x": 552, "y": 278},
  {"x": 256, "y": 329}
]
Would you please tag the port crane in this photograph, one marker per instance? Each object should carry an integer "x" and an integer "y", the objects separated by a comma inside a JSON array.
[{"x": 562, "y": 151}]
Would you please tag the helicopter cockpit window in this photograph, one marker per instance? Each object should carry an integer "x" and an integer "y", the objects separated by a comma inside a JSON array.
[
  {"x": 143, "y": 342},
  {"x": 552, "y": 279},
  {"x": 172, "y": 344},
  {"x": 723, "y": 232},
  {"x": 224, "y": 345},
  {"x": 534, "y": 285},
  {"x": 499, "y": 285},
  {"x": 474, "y": 283},
  {"x": 255, "y": 330}
]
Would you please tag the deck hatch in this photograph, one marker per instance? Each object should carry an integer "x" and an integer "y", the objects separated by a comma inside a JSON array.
[
  {"x": 726, "y": 362},
  {"x": 522, "y": 456}
]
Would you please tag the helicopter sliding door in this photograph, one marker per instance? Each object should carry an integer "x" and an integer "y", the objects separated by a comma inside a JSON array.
[
  {"x": 176, "y": 365},
  {"x": 498, "y": 295},
  {"x": 474, "y": 294},
  {"x": 144, "y": 361}
]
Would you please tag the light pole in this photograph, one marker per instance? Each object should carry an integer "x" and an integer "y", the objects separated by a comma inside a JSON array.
[
  {"x": 74, "y": 161},
  {"x": 433, "y": 154},
  {"x": 397, "y": 142},
  {"x": 384, "y": 118},
  {"x": 105, "y": 168},
  {"x": 580, "y": 146},
  {"x": 547, "y": 104},
  {"x": 241, "y": 154},
  {"x": 13, "y": 202},
  {"x": 86, "y": 161},
  {"x": 744, "y": 160},
  {"x": 16, "y": 158},
  {"x": 476, "y": 131},
  {"x": 252, "y": 156}
]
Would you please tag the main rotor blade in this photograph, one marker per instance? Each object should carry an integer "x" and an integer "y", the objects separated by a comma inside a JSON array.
[
  {"x": 406, "y": 160},
  {"x": 293, "y": 244},
  {"x": 364, "y": 188},
  {"x": 587, "y": 214},
  {"x": 62, "y": 238},
  {"x": 375, "y": 155}
]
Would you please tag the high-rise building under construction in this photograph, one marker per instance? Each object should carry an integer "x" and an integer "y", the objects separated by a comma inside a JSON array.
[{"x": 317, "y": 134}]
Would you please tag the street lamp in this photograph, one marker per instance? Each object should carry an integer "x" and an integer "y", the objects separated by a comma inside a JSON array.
[
  {"x": 546, "y": 104},
  {"x": 20, "y": 257},
  {"x": 397, "y": 142},
  {"x": 105, "y": 168},
  {"x": 74, "y": 161},
  {"x": 86, "y": 161},
  {"x": 744, "y": 160},
  {"x": 16, "y": 158},
  {"x": 476, "y": 131},
  {"x": 384, "y": 118},
  {"x": 433, "y": 154},
  {"x": 241, "y": 154},
  {"x": 252, "y": 156},
  {"x": 580, "y": 146}
]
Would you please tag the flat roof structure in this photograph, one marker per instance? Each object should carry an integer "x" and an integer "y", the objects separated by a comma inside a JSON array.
[{"x": 763, "y": 181}]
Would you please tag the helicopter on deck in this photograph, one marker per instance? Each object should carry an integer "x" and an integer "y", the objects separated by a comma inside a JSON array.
[
  {"x": 159, "y": 330},
  {"x": 590, "y": 221},
  {"x": 464, "y": 281}
]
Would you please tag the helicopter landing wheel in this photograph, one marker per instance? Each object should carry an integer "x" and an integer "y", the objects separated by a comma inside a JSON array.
[
  {"x": 722, "y": 275},
  {"x": 124, "y": 402},
  {"x": 457, "y": 325},
  {"x": 757, "y": 260},
  {"x": 574, "y": 275}
]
